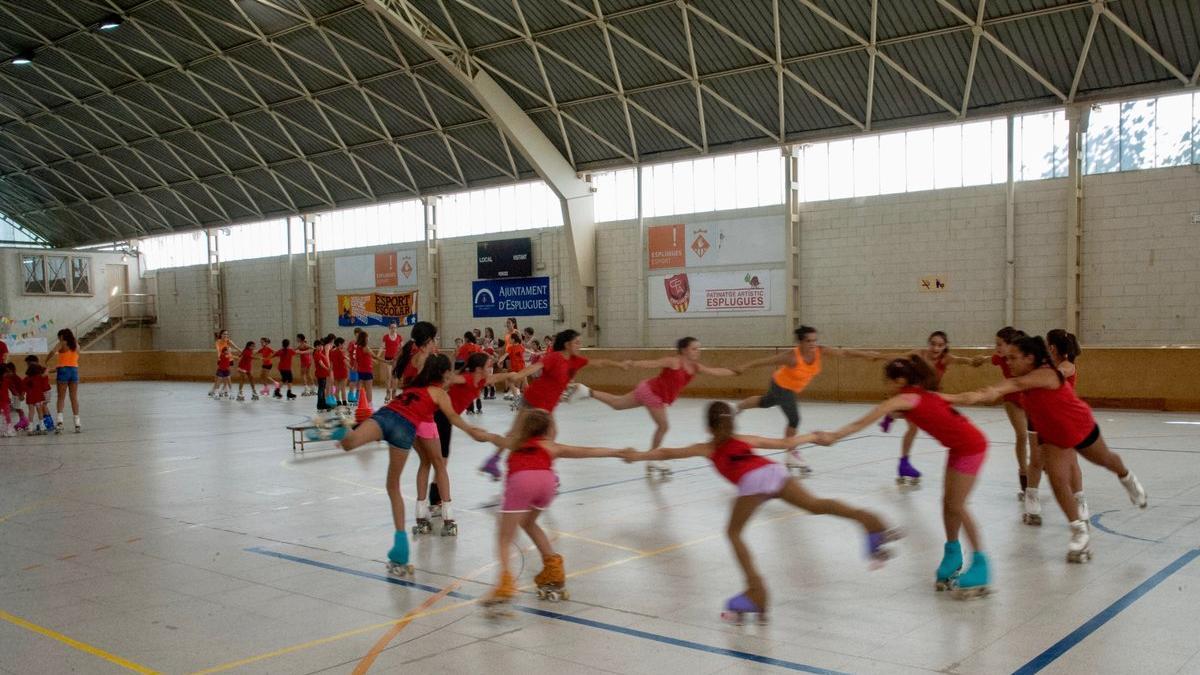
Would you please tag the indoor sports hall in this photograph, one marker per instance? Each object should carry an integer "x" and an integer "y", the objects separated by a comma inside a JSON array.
[{"x": 599, "y": 336}]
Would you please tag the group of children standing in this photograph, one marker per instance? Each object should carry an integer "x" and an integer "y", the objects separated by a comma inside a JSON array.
[{"x": 31, "y": 389}]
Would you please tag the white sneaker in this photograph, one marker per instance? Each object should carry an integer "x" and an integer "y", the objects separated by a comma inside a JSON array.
[{"x": 1137, "y": 494}]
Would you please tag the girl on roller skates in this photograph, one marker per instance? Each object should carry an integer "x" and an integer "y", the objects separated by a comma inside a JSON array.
[
  {"x": 937, "y": 355},
  {"x": 391, "y": 350},
  {"x": 464, "y": 388},
  {"x": 758, "y": 480},
  {"x": 305, "y": 352},
  {"x": 1064, "y": 349},
  {"x": 364, "y": 361},
  {"x": 246, "y": 372},
  {"x": 915, "y": 385},
  {"x": 224, "y": 363},
  {"x": 557, "y": 369},
  {"x": 396, "y": 424},
  {"x": 12, "y": 384},
  {"x": 658, "y": 393},
  {"x": 1013, "y": 407},
  {"x": 321, "y": 373},
  {"x": 341, "y": 370},
  {"x": 35, "y": 386},
  {"x": 1065, "y": 425},
  {"x": 529, "y": 488},
  {"x": 267, "y": 356},
  {"x": 420, "y": 349}
]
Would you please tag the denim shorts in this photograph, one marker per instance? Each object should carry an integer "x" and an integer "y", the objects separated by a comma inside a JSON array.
[
  {"x": 365, "y": 376},
  {"x": 68, "y": 374},
  {"x": 353, "y": 376},
  {"x": 398, "y": 432}
]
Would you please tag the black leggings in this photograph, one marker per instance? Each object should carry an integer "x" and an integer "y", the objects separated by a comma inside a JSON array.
[
  {"x": 444, "y": 428},
  {"x": 321, "y": 405}
]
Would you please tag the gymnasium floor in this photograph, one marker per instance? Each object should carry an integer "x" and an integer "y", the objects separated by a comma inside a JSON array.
[{"x": 179, "y": 534}]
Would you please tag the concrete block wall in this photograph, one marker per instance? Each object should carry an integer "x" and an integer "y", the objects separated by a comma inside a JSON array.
[
  {"x": 184, "y": 320},
  {"x": 1041, "y": 254},
  {"x": 619, "y": 257},
  {"x": 1141, "y": 258},
  {"x": 862, "y": 261}
]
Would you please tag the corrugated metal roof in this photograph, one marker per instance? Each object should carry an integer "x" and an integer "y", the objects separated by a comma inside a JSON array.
[{"x": 165, "y": 117}]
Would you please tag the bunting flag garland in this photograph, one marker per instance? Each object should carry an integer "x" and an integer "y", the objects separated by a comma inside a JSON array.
[{"x": 34, "y": 324}]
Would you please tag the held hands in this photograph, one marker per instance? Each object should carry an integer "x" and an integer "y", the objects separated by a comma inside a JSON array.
[
  {"x": 825, "y": 438},
  {"x": 630, "y": 455}
]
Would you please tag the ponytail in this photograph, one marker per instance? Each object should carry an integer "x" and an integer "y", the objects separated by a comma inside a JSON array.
[
  {"x": 1066, "y": 344},
  {"x": 532, "y": 423},
  {"x": 720, "y": 422},
  {"x": 1035, "y": 346},
  {"x": 422, "y": 334},
  {"x": 914, "y": 370}
]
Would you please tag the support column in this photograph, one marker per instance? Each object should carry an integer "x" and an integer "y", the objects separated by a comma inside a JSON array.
[
  {"x": 312, "y": 273},
  {"x": 216, "y": 286},
  {"x": 791, "y": 177},
  {"x": 1077, "y": 123},
  {"x": 643, "y": 301},
  {"x": 433, "y": 259},
  {"x": 1010, "y": 232}
]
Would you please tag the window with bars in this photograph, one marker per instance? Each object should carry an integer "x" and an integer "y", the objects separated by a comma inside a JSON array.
[{"x": 56, "y": 275}]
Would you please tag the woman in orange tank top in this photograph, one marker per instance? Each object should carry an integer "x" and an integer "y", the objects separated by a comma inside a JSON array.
[
  {"x": 658, "y": 393},
  {"x": 796, "y": 368},
  {"x": 67, "y": 376}
]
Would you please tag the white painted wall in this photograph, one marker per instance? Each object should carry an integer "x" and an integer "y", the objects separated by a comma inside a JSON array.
[
  {"x": 861, "y": 261},
  {"x": 67, "y": 311}
]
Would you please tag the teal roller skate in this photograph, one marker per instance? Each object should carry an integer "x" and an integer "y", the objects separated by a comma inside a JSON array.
[
  {"x": 397, "y": 563},
  {"x": 951, "y": 567},
  {"x": 330, "y": 425},
  {"x": 974, "y": 582}
]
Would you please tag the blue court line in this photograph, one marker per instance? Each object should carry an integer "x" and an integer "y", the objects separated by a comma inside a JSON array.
[
  {"x": 1079, "y": 634},
  {"x": 623, "y": 630},
  {"x": 1096, "y": 523}
]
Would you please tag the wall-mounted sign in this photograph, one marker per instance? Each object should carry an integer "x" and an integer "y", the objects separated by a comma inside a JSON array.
[
  {"x": 694, "y": 294},
  {"x": 936, "y": 283},
  {"x": 510, "y": 297},
  {"x": 390, "y": 269},
  {"x": 377, "y": 309},
  {"x": 749, "y": 241},
  {"x": 505, "y": 258}
]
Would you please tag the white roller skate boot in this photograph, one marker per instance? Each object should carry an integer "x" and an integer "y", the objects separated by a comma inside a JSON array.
[
  {"x": 1137, "y": 494},
  {"x": 449, "y": 527},
  {"x": 1033, "y": 508},
  {"x": 660, "y": 470},
  {"x": 797, "y": 465},
  {"x": 1079, "y": 550},
  {"x": 1084, "y": 514},
  {"x": 78, "y": 425}
]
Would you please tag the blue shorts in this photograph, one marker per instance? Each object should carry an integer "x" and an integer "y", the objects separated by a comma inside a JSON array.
[
  {"x": 353, "y": 376},
  {"x": 68, "y": 374},
  {"x": 365, "y": 377},
  {"x": 398, "y": 431},
  {"x": 220, "y": 373}
]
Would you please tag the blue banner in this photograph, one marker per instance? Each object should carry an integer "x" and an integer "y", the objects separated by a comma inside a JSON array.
[{"x": 511, "y": 297}]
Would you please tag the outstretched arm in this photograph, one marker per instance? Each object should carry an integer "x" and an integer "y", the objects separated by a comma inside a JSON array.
[
  {"x": 53, "y": 352},
  {"x": 897, "y": 403},
  {"x": 609, "y": 363},
  {"x": 443, "y": 400},
  {"x": 974, "y": 362},
  {"x": 854, "y": 353},
  {"x": 780, "y": 359},
  {"x": 580, "y": 452},
  {"x": 694, "y": 450},
  {"x": 1041, "y": 378},
  {"x": 664, "y": 362},
  {"x": 529, "y": 370},
  {"x": 768, "y": 443},
  {"x": 717, "y": 371}
]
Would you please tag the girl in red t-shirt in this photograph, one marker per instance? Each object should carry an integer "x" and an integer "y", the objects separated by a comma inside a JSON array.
[
  {"x": 758, "y": 480},
  {"x": 340, "y": 366},
  {"x": 463, "y": 387},
  {"x": 1005, "y": 338},
  {"x": 305, "y": 352},
  {"x": 364, "y": 365},
  {"x": 224, "y": 364},
  {"x": 1065, "y": 425},
  {"x": 529, "y": 488},
  {"x": 267, "y": 356},
  {"x": 16, "y": 393},
  {"x": 6, "y": 402},
  {"x": 321, "y": 372},
  {"x": 915, "y": 385},
  {"x": 35, "y": 386},
  {"x": 1064, "y": 349},
  {"x": 245, "y": 368}
]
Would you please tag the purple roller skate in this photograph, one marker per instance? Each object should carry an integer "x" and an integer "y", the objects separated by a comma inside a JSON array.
[
  {"x": 886, "y": 423},
  {"x": 737, "y": 607},
  {"x": 492, "y": 467},
  {"x": 906, "y": 474},
  {"x": 876, "y": 546}
]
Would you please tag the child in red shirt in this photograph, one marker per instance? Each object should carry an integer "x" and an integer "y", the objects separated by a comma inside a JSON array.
[
  {"x": 14, "y": 392},
  {"x": 321, "y": 371},
  {"x": 341, "y": 370},
  {"x": 224, "y": 363},
  {"x": 35, "y": 385},
  {"x": 286, "y": 355},
  {"x": 246, "y": 372},
  {"x": 268, "y": 355}
]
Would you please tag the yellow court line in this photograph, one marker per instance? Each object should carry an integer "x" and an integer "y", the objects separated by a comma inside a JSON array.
[{"x": 71, "y": 642}]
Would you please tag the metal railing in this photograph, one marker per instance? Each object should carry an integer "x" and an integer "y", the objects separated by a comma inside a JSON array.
[{"x": 125, "y": 308}]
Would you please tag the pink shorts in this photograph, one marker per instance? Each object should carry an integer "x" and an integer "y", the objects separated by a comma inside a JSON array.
[
  {"x": 765, "y": 480},
  {"x": 427, "y": 430},
  {"x": 645, "y": 395},
  {"x": 968, "y": 464},
  {"x": 526, "y": 490}
]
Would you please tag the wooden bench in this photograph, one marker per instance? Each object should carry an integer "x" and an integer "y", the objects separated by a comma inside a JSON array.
[{"x": 298, "y": 438}]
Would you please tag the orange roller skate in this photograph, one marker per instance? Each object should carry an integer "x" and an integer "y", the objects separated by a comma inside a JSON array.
[
  {"x": 498, "y": 600},
  {"x": 552, "y": 580}
]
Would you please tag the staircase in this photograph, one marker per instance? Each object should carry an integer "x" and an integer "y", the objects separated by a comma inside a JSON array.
[{"x": 130, "y": 309}]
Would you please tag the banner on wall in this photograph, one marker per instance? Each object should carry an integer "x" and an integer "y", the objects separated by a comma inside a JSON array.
[
  {"x": 390, "y": 269},
  {"x": 377, "y": 309},
  {"x": 699, "y": 294},
  {"x": 750, "y": 241},
  {"x": 38, "y": 345},
  {"x": 510, "y": 297}
]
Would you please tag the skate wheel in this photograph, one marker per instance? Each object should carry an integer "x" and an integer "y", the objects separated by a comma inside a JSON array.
[
  {"x": 398, "y": 570},
  {"x": 970, "y": 593},
  {"x": 1030, "y": 519},
  {"x": 735, "y": 618},
  {"x": 1079, "y": 558},
  {"x": 450, "y": 531}
]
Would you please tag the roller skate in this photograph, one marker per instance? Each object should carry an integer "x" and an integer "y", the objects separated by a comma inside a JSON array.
[
  {"x": 492, "y": 467},
  {"x": 397, "y": 562},
  {"x": 78, "y": 426},
  {"x": 876, "y": 543},
  {"x": 1079, "y": 550},
  {"x": 277, "y": 394},
  {"x": 9, "y": 432},
  {"x": 552, "y": 581},
  {"x": 517, "y": 402},
  {"x": 1033, "y": 508},
  {"x": 329, "y": 427},
  {"x": 906, "y": 474},
  {"x": 797, "y": 465},
  {"x": 423, "y": 526},
  {"x": 885, "y": 424},
  {"x": 575, "y": 390},
  {"x": 253, "y": 397},
  {"x": 449, "y": 526},
  {"x": 660, "y": 470},
  {"x": 737, "y": 607},
  {"x": 974, "y": 582},
  {"x": 1137, "y": 494},
  {"x": 950, "y": 568},
  {"x": 291, "y": 396},
  {"x": 22, "y": 425},
  {"x": 48, "y": 422},
  {"x": 1024, "y": 479},
  {"x": 1084, "y": 514},
  {"x": 265, "y": 391},
  {"x": 241, "y": 397},
  {"x": 498, "y": 600}
]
